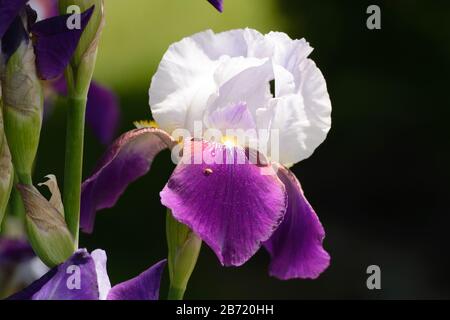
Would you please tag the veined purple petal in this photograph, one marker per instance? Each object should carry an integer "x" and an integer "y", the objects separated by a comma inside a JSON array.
[
  {"x": 218, "y": 4},
  {"x": 76, "y": 279},
  {"x": 56, "y": 43},
  {"x": 14, "y": 251},
  {"x": 296, "y": 246},
  {"x": 129, "y": 158},
  {"x": 230, "y": 205},
  {"x": 9, "y": 10},
  {"x": 143, "y": 287},
  {"x": 102, "y": 112}
]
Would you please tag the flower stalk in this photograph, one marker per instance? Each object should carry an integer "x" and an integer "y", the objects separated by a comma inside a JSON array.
[
  {"x": 74, "y": 163},
  {"x": 78, "y": 76},
  {"x": 184, "y": 249}
]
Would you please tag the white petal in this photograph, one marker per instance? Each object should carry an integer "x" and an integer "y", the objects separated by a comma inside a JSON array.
[
  {"x": 184, "y": 71},
  {"x": 208, "y": 71},
  {"x": 302, "y": 110},
  {"x": 250, "y": 86},
  {"x": 233, "y": 43},
  {"x": 286, "y": 52},
  {"x": 303, "y": 119},
  {"x": 104, "y": 284},
  {"x": 187, "y": 77}
]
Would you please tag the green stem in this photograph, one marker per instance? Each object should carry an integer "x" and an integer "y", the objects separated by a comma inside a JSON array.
[
  {"x": 74, "y": 164},
  {"x": 175, "y": 293},
  {"x": 184, "y": 248}
]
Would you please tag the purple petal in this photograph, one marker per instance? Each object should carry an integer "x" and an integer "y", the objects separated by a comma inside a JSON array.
[
  {"x": 14, "y": 251},
  {"x": 129, "y": 158},
  {"x": 13, "y": 38},
  {"x": 296, "y": 246},
  {"x": 143, "y": 287},
  {"x": 102, "y": 112},
  {"x": 218, "y": 4},
  {"x": 231, "y": 206},
  {"x": 9, "y": 10},
  {"x": 55, "y": 43},
  {"x": 60, "y": 282},
  {"x": 59, "y": 85},
  {"x": 235, "y": 116}
]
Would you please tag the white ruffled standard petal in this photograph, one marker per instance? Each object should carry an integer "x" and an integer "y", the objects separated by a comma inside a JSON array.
[
  {"x": 187, "y": 75},
  {"x": 184, "y": 81},
  {"x": 209, "y": 72},
  {"x": 301, "y": 110}
]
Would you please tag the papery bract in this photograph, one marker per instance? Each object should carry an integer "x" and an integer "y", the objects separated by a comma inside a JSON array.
[{"x": 46, "y": 228}]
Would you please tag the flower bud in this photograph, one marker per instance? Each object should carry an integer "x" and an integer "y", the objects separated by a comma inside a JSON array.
[
  {"x": 6, "y": 169},
  {"x": 184, "y": 248},
  {"x": 22, "y": 108},
  {"x": 83, "y": 61},
  {"x": 46, "y": 228}
]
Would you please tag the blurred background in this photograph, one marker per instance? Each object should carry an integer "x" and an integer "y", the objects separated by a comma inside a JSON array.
[{"x": 380, "y": 182}]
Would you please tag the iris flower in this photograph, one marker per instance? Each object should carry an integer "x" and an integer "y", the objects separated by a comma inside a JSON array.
[
  {"x": 223, "y": 81},
  {"x": 84, "y": 277}
]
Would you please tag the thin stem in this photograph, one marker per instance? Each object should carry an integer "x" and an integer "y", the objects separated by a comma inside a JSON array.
[
  {"x": 184, "y": 248},
  {"x": 176, "y": 293},
  {"x": 74, "y": 164}
]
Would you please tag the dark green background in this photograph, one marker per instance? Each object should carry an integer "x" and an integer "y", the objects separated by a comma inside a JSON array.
[{"x": 379, "y": 183}]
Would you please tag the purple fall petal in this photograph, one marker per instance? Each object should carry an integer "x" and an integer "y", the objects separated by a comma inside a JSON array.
[
  {"x": 14, "y": 251},
  {"x": 60, "y": 284},
  {"x": 143, "y": 287},
  {"x": 218, "y": 4},
  {"x": 55, "y": 43},
  {"x": 231, "y": 206},
  {"x": 102, "y": 112},
  {"x": 9, "y": 10},
  {"x": 129, "y": 158},
  {"x": 296, "y": 246}
]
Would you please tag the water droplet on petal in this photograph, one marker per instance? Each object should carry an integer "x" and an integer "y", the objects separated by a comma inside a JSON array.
[{"x": 207, "y": 171}]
